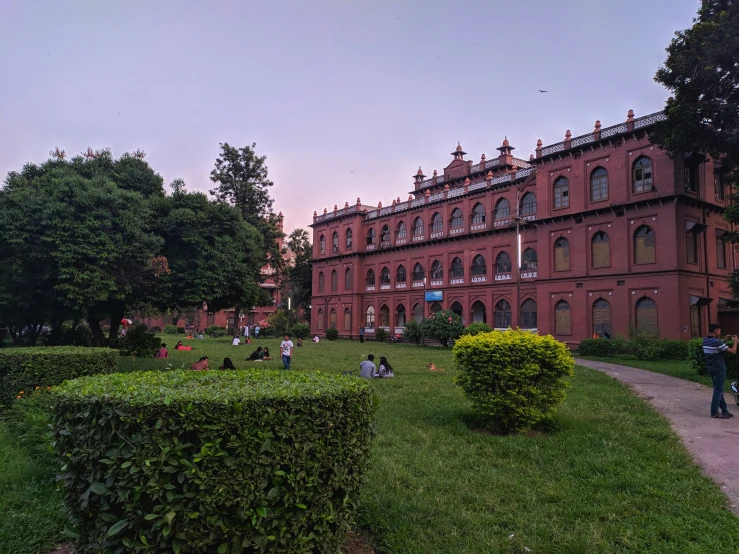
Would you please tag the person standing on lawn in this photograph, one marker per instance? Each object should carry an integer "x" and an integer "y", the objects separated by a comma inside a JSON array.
[
  {"x": 287, "y": 351},
  {"x": 713, "y": 352},
  {"x": 361, "y": 334}
]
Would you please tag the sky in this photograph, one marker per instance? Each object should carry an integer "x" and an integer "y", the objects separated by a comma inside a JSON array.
[{"x": 346, "y": 98}]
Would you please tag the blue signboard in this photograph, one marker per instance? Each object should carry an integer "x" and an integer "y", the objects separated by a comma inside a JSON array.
[{"x": 434, "y": 295}]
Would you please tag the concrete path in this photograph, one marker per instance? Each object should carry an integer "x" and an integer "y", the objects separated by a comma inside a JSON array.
[{"x": 714, "y": 443}]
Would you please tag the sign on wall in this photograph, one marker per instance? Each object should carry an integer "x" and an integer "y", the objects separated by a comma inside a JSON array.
[{"x": 434, "y": 295}]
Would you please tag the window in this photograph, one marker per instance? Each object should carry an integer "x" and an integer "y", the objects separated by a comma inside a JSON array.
[
  {"x": 370, "y": 277},
  {"x": 478, "y": 266},
  {"x": 371, "y": 236},
  {"x": 322, "y": 244},
  {"x": 384, "y": 316},
  {"x": 401, "y": 232},
  {"x": 335, "y": 242},
  {"x": 503, "y": 263},
  {"x": 528, "y": 204},
  {"x": 691, "y": 246},
  {"x": 478, "y": 213},
  {"x": 400, "y": 316},
  {"x": 644, "y": 245},
  {"x": 418, "y": 273},
  {"x": 561, "y": 254},
  {"x": 646, "y": 316},
  {"x": 502, "y": 315},
  {"x": 601, "y": 250},
  {"x": 320, "y": 319},
  {"x": 418, "y": 313},
  {"x": 479, "y": 313},
  {"x": 561, "y": 193},
  {"x": 347, "y": 319},
  {"x": 642, "y": 174},
  {"x": 690, "y": 172},
  {"x": 370, "y": 319},
  {"x": 599, "y": 185},
  {"x": 418, "y": 227},
  {"x": 528, "y": 314},
  {"x": 529, "y": 261},
  {"x": 332, "y": 319},
  {"x": 502, "y": 210},
  {"x": 562, "y": 318},
  {"x": 400, "y": 274},
  {"x": 385, "y": 234},
  {"x": 320, "y": 281},
  {"x": 601, "y": 317},
  {"x": 718, "y": 186},
  {"x": 435, "y": 308},
  {"x": 437, "y": 224},
  {"x": 348, "y": 278},
  {"x": 720, "y": 249},
  {"x": 437, "y": 272},
  {"x": 385, "y": 276},
  {"x": 210, "y": 319},
  {"x": 456, "y": 307},
  {"x": 334, "y": 280},
  {"x": 348, "y": 238},
  {"x": 457, "y": 268},
  {"x": 457, "y": 218}
]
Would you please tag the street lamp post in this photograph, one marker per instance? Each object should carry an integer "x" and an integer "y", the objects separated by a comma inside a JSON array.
[{"x": 518, "y": 257}]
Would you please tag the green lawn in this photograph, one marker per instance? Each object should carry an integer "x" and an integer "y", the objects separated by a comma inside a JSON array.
[
  {"x": 610, "y": 476},
  {"x": 677, "y": 368}
]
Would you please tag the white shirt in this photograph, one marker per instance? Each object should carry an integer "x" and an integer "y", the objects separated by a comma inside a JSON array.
[
  {"x": 236, "y": 341},
  {"x": 287, "y": 347}
]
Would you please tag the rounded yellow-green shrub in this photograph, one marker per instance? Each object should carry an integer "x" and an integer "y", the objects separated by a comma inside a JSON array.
[{"x": 515, "y": 379}]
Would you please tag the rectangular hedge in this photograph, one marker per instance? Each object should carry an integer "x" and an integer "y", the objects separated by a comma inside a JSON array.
[{"x": 24, "y": 369}]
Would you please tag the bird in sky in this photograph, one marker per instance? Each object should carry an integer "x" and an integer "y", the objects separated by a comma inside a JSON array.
[{"x": 542, "y": 90}]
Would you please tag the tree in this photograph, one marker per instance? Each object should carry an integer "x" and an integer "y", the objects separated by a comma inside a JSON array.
[
  {"x": 299, "y": 282},
  {"x": 443, "y": 326}
]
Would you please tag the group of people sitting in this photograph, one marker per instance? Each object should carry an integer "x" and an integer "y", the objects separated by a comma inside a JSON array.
[
  {"x": 259, "y": 355},
  {"x": 369, "y": 370},
  {"x": 202, "y": 364}
]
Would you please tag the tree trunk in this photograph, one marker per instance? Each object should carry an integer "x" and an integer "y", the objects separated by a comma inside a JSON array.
[
  {"x": 98, "y": 338},
  {"x": 116, "y": 315}
]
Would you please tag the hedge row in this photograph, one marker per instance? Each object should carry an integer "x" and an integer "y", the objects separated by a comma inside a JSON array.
[
  {"x": 238, "y": 461},
  {"x": 24, "y": 369},
  {"x": 644, "y": 349},
  {"x": 699, "y": 362}
]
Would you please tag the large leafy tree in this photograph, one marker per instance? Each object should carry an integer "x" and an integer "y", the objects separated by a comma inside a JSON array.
[{"x": 298, "y": 285}]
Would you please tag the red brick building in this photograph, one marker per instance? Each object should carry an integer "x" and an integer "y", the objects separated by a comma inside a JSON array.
[{"x": 613, "y": 234}]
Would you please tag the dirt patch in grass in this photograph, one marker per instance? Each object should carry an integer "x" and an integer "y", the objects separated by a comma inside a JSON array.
[{"x": 357, "y": 542}]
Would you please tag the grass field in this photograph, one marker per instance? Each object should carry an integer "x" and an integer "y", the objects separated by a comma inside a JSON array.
[{"x": 609, "y": 477}]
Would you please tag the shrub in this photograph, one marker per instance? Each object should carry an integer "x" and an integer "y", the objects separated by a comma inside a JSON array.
[
  {"x": 695, "y": 355},
  {"x": 413, "y": 332},
  {"x": 603, "y": 348},
  {"x": 380, "y": 334},
  {"x": 477, "y": 328},
  {"x": 23, "y": 369},
  {"x": 138, "y": 342},
  {"x": 515, "y": 379},
  {"x": 443, "y": 326},
  {"x": 332, "y": 333},
  {"x": 239, "y": 461},
  {"x": 68, "y": 335},
  {"x": 170, "y": 329},
  {"x": 180, "y": 330},
  {"x": 156, "y": 329},
  {"x": 215, "y": 331},
  {"x": 663, "y": 349},
  {"x": 300, "y": 330}
]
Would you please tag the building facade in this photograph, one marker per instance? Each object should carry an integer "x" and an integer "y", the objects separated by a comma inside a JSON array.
[{"x": 601, "y": 233}]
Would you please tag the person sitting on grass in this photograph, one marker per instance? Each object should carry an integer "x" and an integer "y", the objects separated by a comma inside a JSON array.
[
  {"x": 180, "y": 346},
  {"x": 227, "y": 364},
  {"x": 201, "y": 364},
  {"x": 266, "y": 356},
  {"x": 163, "y": 352},
  {"x": 316, "y": 339},
  {"x": 367, "y": 368},
  {"x": 257, "y": 355},
  {"x": 300, "y": 341},
  {"x": 386, "y": 369},
  {"x": 236, "y": 342}
]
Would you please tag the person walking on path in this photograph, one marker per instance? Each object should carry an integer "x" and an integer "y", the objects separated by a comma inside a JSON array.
[
  {"x": 361, "y": 334},
  {"x": 713, "y": 352},
  {"x": 287, "y": 351}
]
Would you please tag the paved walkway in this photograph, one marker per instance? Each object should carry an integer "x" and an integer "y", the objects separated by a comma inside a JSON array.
[{"x": 714, "y": 443}]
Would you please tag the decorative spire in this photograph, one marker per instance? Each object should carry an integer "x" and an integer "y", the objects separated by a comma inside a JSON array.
[
  {"x": 358, "y": 201},
  {"x": 506, "y": 148},
  {"x": 410, "y": 198},
  {"x": 597, "y": 126},
  {"x": 325, "y": 211},
  {"x": 531, "y": 157},
  {"x": 568, "y": 136},
  {"x": 505, "y": 141},
  {"x": 336, "y": 207},
  {"x": 467, "y": 181},
  {"x": 379, "y": 205},
  {"x": 630, "y": 116},
  {"x": 482, "y": 158},
  {"x": 419, "y": 176},
  {"x": 315, "y": 213},
  {"x": 346, "y": 204},
  {"x": 489, "y": 176},
  {"x": 459, "y": 153}
]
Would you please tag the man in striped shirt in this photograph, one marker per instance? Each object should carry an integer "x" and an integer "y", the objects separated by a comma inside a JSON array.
[{"x": 713, "y": 352}]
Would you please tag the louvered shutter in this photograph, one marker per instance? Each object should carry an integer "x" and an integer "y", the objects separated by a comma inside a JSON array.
[
  {"x": 646, "y": 319},
  {"x": 602, "y": 254},
  {"x": 563, "y": 324},
  {"x": 644, "y": 249},
  {"x": 562, "y": 258}
]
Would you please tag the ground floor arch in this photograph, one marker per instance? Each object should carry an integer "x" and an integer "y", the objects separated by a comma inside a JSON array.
[{"x": 479, "y": 313}]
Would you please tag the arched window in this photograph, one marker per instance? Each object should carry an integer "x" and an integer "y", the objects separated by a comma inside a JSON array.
[
  {"x": 401, "y": 231},
  {"x": 385, "y": 276},
  {"x": 561, "y": 254},
  {"x": 479, "y": 313},
  {"x": 418, "y": 227},
  {"x": 437, "y": 271},
  {"x": 334, "y": 280},
  {"x": 601, "y": 250},
  {"x": 644, "y": 251},
  {"x": 720, "y": 249},
  {"x": 435, "y": 308},
  {"x": 562, "y": 318},
  {"x": 347, "y": 319},
  {"x": 561, "y": 193},
  {"x": 478, "y": 214},
  {"x": 601, "y": 317},
  {"x": 457, "y": 269},
  {"x": 418, "y": 273},
  {"x": 502, "y": 315},
  {"x": 528, "y": 314},
  {"x": 529, "y": 261},
  {"x": 642, "y": 173},
  {"x": 598, "y": 185},
  {"x": 503, "y": 263},
  {"x": 400, "y": 274},
  {"x": 322, "y": 244},
  {"x": 528, "y": 204},
  {"x": 418, "y": 313},
  {"x": 370, "y": 319},
  {"x": 400, "y": 315},
  {"x": 478, "y": 266},
  {"x": 348, "y": 238},
  {"x": 437, "y": 223},
  {"x": 321, "y": 281},
  {"x": 370, "y": 277},
  {"x": 646, "y": 316},
  {"x": 385, "y": 234},
  {"x": 348, "y": 278},
  {"x": 384, "y": 316},
  {"x": 691, "y": 244},
  {"x": 332, "y": 319},
  {"x": 502, "y": 209},
  {"x": 320, "y": 320},
  {"x": 335, "y": 242},
  {"x": 457, "y": 219},
  {"x": 371, "y": 236},
  {"x": 456, "y": 307}
]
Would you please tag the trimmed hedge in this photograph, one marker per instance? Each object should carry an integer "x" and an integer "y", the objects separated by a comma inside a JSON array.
[
  {"x": 215, "y": 331},
  {"x": 515, "y": 379},
  {"x": 170, "y": 329},
  {"x": 695, "y": 347},
  {"x": 26, "y": 368},
  {"x": 332, "y": 333},
  {"x": 380, "y": 334},
  {"x": 603, "y": 348},
  {"x": 643, "y": 349},
  {"x": 211, "y": 461},
  {"x": 476, "y": 328},
  {"x": 300, "y": 330}
]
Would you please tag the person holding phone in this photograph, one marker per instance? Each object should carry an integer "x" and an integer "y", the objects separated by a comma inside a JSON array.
[{"x": 713, "y": 352}]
